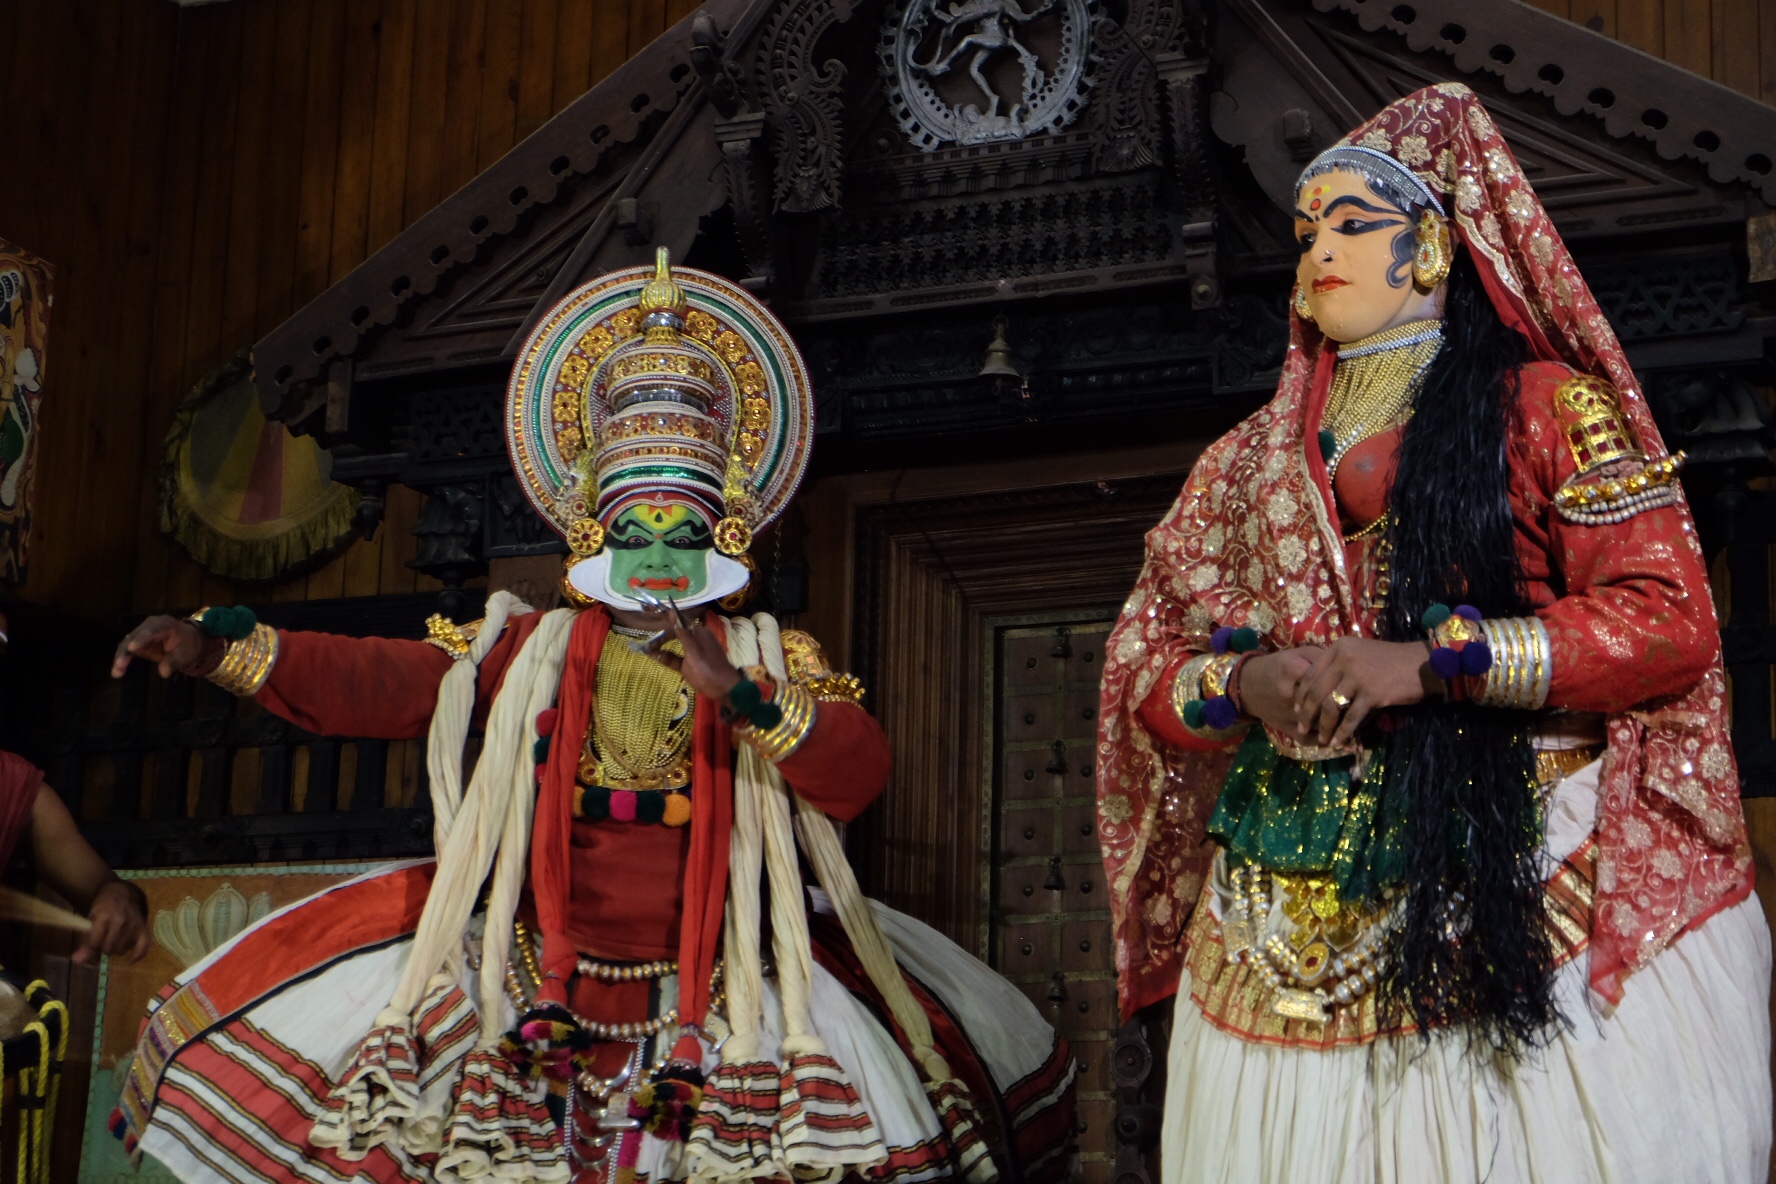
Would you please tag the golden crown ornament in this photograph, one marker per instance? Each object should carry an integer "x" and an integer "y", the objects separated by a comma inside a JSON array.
[
  {"x": 658, "y": 386},
  {"x": 732, "y": 536},
  {"x": 585, "y": 536}
]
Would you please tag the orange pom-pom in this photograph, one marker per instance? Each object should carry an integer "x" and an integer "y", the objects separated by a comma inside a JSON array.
[{"x": 678, "y": 810}]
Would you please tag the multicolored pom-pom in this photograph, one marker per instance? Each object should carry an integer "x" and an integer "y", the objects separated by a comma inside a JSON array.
[
  {"x": 548, "y": 1043},
  {"x": 1458, "y": 642},
  {"x": 1229, "y": 640},
  {"x": 1219, "y": 713}
]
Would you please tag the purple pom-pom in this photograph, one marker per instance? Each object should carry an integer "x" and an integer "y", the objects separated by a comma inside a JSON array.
[
  {"x": 1219, "y": 713},
  {"x": 1445, "y": 662},
  {"x": 1221, "y": 638},
  {"x": 1467, "y": 612},
  {"x": 1476, "y": 658}
]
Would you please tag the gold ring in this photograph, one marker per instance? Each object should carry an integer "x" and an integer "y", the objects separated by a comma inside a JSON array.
[{"x": 1340, "y": 698}]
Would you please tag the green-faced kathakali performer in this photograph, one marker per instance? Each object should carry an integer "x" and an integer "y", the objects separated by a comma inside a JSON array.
[{"x": 576, "y": 988}]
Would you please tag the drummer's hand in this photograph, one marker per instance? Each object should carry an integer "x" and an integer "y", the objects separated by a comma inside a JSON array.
[
  {"x": 1364, "y": 674},
  {"x": 705, "y": 663},
  {"x": 175, "y": 646},
  {"x": 119, "y": 925}
]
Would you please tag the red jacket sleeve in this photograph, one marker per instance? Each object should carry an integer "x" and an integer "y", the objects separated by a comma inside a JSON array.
[
  {"x": 1627, "y": 605},
  {"x": 376, "y": 687},
  {"x": 843, "y": 762},
  {"x": 1160, "y": 717}
]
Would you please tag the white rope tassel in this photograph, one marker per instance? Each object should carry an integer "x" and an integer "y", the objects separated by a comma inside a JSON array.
[
  {"x": 789, "y": 918},
  {"x": 742, "y": 971},
  {"x": 456, "y": 707},
  {"x": 512, "y": 862},
  {"x": 475, "y": 836}
]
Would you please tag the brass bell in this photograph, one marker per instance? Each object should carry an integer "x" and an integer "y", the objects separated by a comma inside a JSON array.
[{"x": 998, "y": 363}]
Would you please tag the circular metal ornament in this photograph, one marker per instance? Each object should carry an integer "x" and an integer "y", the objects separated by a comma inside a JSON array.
[
  {"x": 585, "y": 536},
  {"x": 971, "y": 34},
  {"x": 555, "y": 403},
  {"x": 732, "y": 536}
]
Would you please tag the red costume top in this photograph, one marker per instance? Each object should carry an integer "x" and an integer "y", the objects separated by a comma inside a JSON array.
[
  {"x": 1627, "y": 606},
  {"x": 627, "y": 878}
]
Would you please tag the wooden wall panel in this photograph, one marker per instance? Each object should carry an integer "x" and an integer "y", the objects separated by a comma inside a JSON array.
[
  {"x": 1730, "y": 41},
  {"x": 199, "y": 173}
]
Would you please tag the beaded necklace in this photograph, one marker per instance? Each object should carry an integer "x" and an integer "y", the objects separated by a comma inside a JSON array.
[{"x": 1374, "y": 384}]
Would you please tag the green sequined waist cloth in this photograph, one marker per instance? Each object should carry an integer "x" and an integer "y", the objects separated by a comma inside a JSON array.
[{"x": 1311, "y": 816}]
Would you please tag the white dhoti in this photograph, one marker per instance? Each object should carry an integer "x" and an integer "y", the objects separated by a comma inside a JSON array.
[{"x": 1672, "y": 1085}]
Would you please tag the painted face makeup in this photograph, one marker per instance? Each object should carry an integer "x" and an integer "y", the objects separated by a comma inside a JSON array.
[
  {"x": 660, "y": 549},
  {"x": 1356, "y": 259}
]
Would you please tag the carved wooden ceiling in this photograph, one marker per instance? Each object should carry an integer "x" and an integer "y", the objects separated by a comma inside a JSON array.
[{"x": 1106, "y": 175}]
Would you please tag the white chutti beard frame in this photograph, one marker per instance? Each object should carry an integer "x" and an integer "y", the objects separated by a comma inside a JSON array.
[{"x": 722, "y": 577}]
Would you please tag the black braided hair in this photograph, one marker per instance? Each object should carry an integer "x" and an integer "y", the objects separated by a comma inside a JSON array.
[{"x": 1472, "y": 945}]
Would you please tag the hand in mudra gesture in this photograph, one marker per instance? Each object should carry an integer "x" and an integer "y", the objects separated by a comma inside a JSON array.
[
  {"x": 705, "y": 664},
  {"x": 174, "y": 645}
]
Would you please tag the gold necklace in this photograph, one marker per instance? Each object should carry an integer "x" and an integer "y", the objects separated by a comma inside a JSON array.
[
  {"x": 1374, "y": 384},
  {"x": 641, "y": 721}
]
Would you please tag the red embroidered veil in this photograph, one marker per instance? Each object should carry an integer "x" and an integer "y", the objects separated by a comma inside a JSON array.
[{"x": 1250, "y": 542}]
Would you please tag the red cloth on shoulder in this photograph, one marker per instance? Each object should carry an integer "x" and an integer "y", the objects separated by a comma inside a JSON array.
[{"x": 19, "y": 780}]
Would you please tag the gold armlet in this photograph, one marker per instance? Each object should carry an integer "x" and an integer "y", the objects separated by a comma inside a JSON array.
[
  {"x": 450, "y": 637},
  {"x": 799, "y": 713},
  {"x": 1522, "y": 664},
  {"x": 835, "y": 688},
  {"x": 247, "y": 663},
  {"x": 1605, "y": 501}
]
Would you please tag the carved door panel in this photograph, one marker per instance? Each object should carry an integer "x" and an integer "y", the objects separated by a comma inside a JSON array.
[{"x": 1051, "y": 918}]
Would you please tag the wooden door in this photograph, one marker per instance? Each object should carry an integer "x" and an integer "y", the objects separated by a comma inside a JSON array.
[{"x": 1051, "y": 916}]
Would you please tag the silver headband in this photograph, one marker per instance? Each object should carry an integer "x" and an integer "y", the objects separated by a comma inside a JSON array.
[{"x": 1385, "y": 175}]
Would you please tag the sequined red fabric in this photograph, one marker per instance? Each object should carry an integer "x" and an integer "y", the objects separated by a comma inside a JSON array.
[{"x": 1251, "y": 541}]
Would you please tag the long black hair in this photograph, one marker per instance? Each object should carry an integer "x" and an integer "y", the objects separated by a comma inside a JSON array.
[{"x": 1471, "y": 945}]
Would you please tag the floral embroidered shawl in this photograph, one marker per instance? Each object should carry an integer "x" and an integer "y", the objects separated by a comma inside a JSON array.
[{"x": 1250, "y": 542}]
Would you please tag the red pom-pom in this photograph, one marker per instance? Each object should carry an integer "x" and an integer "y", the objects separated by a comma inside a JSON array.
[{"x": 546, "y": 721}]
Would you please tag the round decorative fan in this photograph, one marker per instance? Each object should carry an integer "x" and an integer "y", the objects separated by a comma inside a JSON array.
[{"x": 249, "y": 500}]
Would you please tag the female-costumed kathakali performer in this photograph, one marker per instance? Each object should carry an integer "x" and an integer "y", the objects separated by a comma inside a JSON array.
[
  {"x": 1416, "y": 785},
  {"x": 575, "y": 988}
]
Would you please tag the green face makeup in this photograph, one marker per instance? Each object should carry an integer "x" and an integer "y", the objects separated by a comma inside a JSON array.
[{"x": 662, "y": 549}]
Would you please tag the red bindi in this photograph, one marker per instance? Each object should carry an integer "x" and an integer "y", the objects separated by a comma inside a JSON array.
[{"x": 1314, "y": 204}]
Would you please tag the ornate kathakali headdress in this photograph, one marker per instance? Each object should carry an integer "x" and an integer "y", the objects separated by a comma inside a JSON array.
[{"x": 663, "y": 389}]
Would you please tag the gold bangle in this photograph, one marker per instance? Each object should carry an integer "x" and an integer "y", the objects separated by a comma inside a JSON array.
[
  {"x": 1216, "y": 673},
  {"x": 247, "y": 662},
  {"x": 1522, "y": 667},
  {"x": 799, "y": 713}
]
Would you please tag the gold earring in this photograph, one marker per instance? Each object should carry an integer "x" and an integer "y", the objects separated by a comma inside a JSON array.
[
  {"x": 1301, "y": 307},
  {"x": 1431, "y": 259}
]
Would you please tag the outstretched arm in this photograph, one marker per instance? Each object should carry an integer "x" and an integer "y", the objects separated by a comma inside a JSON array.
[{"x": 377, "y": 687}]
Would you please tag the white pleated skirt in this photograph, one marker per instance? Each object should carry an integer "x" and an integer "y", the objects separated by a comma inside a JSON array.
[{"x": 1671, "y": 1087}]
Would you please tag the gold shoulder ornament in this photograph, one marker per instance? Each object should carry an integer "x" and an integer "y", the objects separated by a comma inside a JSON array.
[
  {"x": 807, "y": 667},
  {"x": 1615, "y": 479},
  {"x": 450, "y": 637}
]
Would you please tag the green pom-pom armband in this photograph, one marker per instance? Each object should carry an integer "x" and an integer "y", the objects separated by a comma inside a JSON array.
[{"x": 230, "y": 623}]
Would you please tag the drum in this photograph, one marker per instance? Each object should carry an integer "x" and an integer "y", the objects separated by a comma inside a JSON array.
[{"x": 33, "y": 1044}]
